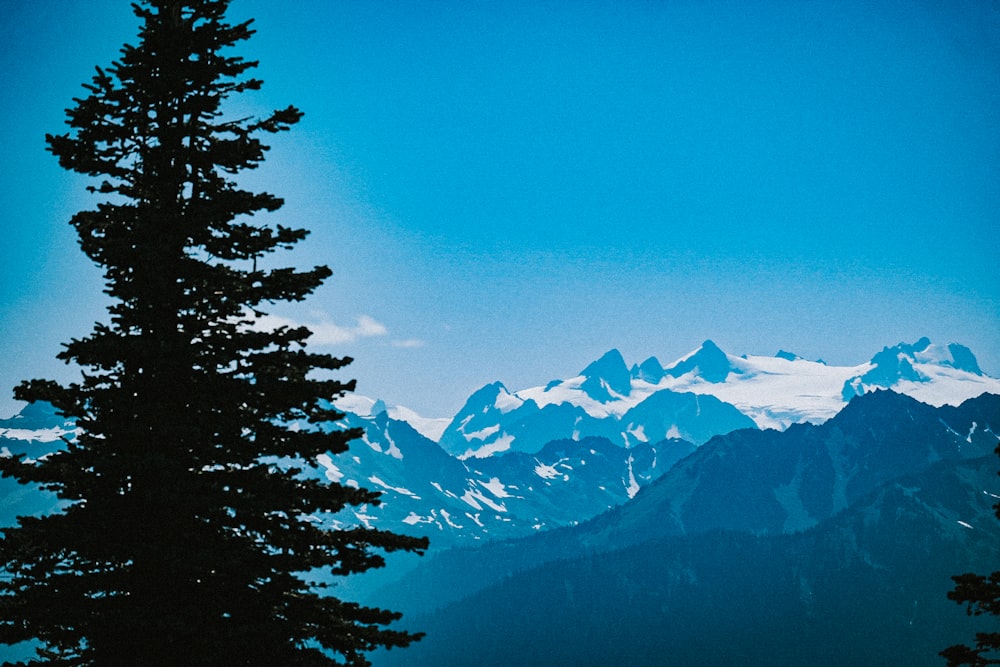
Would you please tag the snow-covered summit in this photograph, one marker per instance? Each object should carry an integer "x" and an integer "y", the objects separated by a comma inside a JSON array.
[
  {"x": 363, "y": 406},
  {"x": 931, "y": 373},
  {"x": 708, "y": 363},
  {"x": 785, "y": 389},
  {"x": 774, "y": 391},
  {"x": 608, "y": 378}
]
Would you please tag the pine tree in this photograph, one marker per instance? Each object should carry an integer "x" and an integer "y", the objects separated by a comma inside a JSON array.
[
  {"x": 189, "y": 529},
  {"x": 981, "y": 595}
]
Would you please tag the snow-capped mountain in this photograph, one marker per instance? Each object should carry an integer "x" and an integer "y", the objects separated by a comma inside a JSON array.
[
  {"x": 760, "y": 483},
  {"x": 786, "y": 389},
  {"x": 429, "y": 427},
  {"x": 606, "y": 398},
  {"x": 513, "y": 463},
  {"x": 425, "y": 490}
]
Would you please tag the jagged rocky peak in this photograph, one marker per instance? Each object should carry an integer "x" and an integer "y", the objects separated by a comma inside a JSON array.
[
  {"x": 952, "y": 355},
  {"x": 787, "y": 356},
  {"x": 710, "y": 362},
  {"x": 486, "y": 395},
  {"x": 649, "y": 371},
  {"x": 607, "y": 374},
  {"x": 901, "y": 363}
]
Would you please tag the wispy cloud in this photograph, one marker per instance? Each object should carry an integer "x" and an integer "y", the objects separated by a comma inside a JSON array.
[
  {"x": 408, "y": 343},
  {"x": 325, "y": 332},
  {"x": 328, "y": 333}
]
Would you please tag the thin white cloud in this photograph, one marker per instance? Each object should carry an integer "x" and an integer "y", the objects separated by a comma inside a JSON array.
[
  {"x": 408, "y": 343},
  {"x": 325, "y": 332}
]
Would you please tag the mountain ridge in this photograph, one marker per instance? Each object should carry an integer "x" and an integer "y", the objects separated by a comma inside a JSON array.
[
  {"x": 760, "y": 482},
  {"x": 876, "y": 573},
  {"x": 774, "y": 392}
]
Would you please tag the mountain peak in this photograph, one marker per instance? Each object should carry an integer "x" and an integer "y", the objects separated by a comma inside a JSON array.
[
  {"x": 649, "y": 371},
  {"x": 607, "y": 374},
  {"x": 611, "y": 360},
  {"x": 952, "y": 355},
  {"x": 490, "y": 390},
  {"x": 710, "y": 363},
  {"x": 899, "y": 363}
]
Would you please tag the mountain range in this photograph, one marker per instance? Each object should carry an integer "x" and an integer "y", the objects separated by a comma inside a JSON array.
[
  {"x": 767, "y": 392},
  {"x": 512, "y": 464},
  {"x": 824, "y": 544},
  {"x": 773, "y": 501}
]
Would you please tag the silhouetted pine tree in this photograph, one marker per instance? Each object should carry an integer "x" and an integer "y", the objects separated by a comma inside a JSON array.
[
  {"x": 981, "y": 595},
  {"x": 188, "y": 525}
]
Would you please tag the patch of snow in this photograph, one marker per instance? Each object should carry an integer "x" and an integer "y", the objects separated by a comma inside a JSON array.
[
  {"x": 332, "y": 472},
  {"x": 393, "y": 450},
  {"x": 35, "y": 435},
  {"x": 632, "y": 487},
  {"x": 447, "y": 519},
  {"x": 475, "y": 519},
  {"x": 507, "y": 402},
  {"x": 947, "y": 386},
  {"x": 362, "y": 515},
  {"x": 355, "y": 403},
  {"x": 473, "y": 497},
  {"x": 638, "y": 432},
  {"x": 398, "y": 489},
  {"x": 482, "y": 434},
  {"x": 496, "y": 487},
  {"x": 935, "y": 353},
  {"x": 429, "y": 427},
  {"x": 470, "y": 499},
  {"x": 501, "y": 444},
  {"x": 962, "y": 523},
  {"x": 413, "y": 518},
  {"x": 447, "y": 493},
  {"x": 546, "y": 471},
  {"x": 374, "y": 445}
]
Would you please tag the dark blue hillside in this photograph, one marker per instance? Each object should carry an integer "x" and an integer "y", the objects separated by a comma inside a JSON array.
[
  {"x": 867, "y": 587},
  {"x": 756, "y": 482}
]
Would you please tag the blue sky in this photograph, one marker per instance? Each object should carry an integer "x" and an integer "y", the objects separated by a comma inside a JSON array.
[{"x": 506, "y": 190}]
